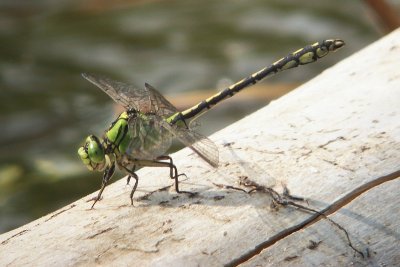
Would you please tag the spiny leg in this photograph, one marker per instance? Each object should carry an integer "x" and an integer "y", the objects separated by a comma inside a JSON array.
[
  {"x": 108, "y": 173},
  {"x": 128, "y": 179},
  {"x": 134, "y": 186},
  {"x": 133, "y": 175},
  {"x": 155, "y": 163},
  {"x": 173, "y": 173}
]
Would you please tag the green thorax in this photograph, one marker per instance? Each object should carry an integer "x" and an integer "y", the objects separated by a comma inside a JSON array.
[
  {"x": 139, "y": 135},
  {"x": 117, "y": 137}
]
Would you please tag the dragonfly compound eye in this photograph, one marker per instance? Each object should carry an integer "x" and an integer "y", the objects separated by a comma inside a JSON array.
[
  {"x": 92, "y": 154},
  {"x": 95, "y": 149}
]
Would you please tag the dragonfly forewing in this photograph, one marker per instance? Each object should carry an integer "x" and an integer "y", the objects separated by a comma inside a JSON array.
[
  {"x": 145, "y": 100},
  {"x": 160, "y": 104}
]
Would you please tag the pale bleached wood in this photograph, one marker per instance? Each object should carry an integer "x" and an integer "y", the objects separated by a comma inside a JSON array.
[{"x": 333, "y": 134}]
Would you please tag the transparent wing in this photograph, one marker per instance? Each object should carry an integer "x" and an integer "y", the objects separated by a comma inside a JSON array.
[
  {"x": 147, "y": 100},
  {"x": 200, "y": 144},
  {"x": 161, "y": 106},
  {"x": 149, "y": 139}
]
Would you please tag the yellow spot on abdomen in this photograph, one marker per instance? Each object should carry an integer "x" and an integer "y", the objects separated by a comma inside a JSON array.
[{"x": 307, "y": 58}]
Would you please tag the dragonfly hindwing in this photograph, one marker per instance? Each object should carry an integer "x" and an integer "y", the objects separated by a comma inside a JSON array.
[{"x": 199, "y": 143}]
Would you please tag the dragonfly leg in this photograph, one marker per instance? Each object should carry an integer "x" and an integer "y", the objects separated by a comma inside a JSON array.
[
  {"x": 173, "y": 173},
  {"x": 108, "y": 173},
  {"x": 133, "y": 175},
  {"x": 172, "y": 168},
  {"x": 158, "y": 162},
  {"x": 134, "y": 187},
  {"x": 128, "y": 179}
]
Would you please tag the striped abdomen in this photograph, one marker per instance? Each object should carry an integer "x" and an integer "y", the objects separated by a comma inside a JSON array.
[{"x": 302, "y": 56}]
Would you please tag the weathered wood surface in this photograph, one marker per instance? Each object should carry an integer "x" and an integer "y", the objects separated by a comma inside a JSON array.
[{"x": 334, "y": 134}]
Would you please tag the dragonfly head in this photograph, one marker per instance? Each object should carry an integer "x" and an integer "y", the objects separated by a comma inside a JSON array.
[{"x": 92, "y": 154}]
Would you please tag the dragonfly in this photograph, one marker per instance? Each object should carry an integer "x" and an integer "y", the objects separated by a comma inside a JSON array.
[{"x": 142, "y": 134}]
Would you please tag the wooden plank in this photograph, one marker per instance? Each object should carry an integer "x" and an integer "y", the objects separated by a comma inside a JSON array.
[{"x": 337, "y": 132}]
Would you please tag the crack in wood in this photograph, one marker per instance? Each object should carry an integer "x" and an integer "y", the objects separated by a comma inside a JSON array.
[
  {"x": 17, "y": 234},
  {"x": 290, "y": 258},
  {"x": 341, "y": 138},
  {"x": 337, "y": 165},
  {"x": 27, "y": 230},
  {"x": 101, "y": 232},
  {"x": 58, "y": 213}
]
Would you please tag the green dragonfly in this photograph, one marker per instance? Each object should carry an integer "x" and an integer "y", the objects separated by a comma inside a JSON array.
[{"x": 142, "y": 134}]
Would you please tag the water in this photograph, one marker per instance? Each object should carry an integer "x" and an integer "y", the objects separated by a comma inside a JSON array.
[{"x": 47, "y": 109}]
